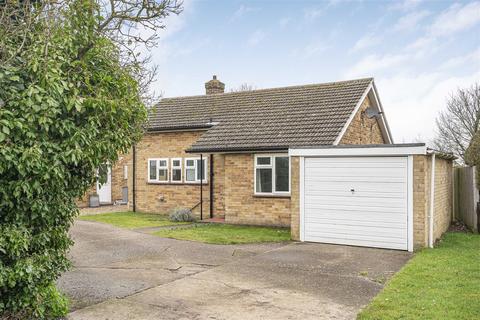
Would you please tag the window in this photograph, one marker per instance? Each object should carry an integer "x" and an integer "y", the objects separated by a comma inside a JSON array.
[
  {"x": 176, "y": 170},
  {"x": 195, "y": 170},
  {"x": 272, "y": 174},
  {"x": 125, "y": 172},
  {"x": 158, "y": 170}
]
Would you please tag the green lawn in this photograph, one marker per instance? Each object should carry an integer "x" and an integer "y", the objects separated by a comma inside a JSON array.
[
  {"x": 131, "y": 220},
  {"x": 440, "y": 283},
  {"x": 226, "y": 234}
]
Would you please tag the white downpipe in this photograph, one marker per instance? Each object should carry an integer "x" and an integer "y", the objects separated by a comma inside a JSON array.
[{"x": 432, "y": 204}]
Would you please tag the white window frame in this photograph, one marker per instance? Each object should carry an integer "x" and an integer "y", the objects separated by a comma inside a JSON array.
[
  {"x": 272, "y": 166},
  {"x": 158, "y": 167},
  {"x": 195, "y": 166},
  {"x": 172, "y": 167}
]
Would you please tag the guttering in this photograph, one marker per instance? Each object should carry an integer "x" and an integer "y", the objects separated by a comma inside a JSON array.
[
  {"x": 180, "y": 128},
  {"x": 239, "y": 150},
  {"x": 432, "y": 203}
]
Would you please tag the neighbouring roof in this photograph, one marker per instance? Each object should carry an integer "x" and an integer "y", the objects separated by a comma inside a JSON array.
[{"x": 267, "y": 119}]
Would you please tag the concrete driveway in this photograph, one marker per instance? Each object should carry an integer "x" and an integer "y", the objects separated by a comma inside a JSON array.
[{"x": 122, "y": 274}]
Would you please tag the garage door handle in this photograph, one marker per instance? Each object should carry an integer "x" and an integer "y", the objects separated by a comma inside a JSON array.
[{"x": 352, "y": 190}]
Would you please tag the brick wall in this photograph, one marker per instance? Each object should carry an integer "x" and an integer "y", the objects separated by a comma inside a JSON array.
[
  {"x": 443, "y": 202},
  {"x": 118, "y": 178},
  {"x": 162, "y": 197},
  {"x": 295, "y": 198},
  {"x": 83, "y": 201},
  {"x": 421, "y": 194},
  {"x": 363, "y": 130},
  {"x": 443, "y": 196},
  {"x": 241, "y": 205}
]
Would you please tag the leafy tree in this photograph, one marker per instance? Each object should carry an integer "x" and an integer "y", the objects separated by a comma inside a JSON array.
[
  {"x": 472, "y": 156},
  {"x": 457, "y": 125},
  {"x": 72, "y": 96}
]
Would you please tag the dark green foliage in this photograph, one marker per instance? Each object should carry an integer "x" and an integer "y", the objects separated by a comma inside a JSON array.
[{"x": 66, "y": 107}]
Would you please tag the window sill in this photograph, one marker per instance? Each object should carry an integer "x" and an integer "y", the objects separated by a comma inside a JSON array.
[
  {"x": 257, "y": 195},
  {"x": 176, "y": 183}
]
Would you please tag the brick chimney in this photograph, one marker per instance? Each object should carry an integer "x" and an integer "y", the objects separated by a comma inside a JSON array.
[{"x": 214, "y": 86}]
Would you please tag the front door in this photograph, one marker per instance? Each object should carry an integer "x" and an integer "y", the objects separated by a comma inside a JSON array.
[{"x": 104, "y": 184}]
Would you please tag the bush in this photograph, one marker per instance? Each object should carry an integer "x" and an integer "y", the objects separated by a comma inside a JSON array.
[
  {"x": 181, "y": 215},
  {"x": 61, "y": 116}
]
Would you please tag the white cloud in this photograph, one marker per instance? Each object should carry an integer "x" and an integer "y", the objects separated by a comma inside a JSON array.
[
  {"x": 310, "y": 50},
  {"x": 256, "y": 37},
  {"x": 456, "y": 18},
  {"x": 374, "y": 63},
  {"x": 412, "y": 101},
  {"x": 242, "y": 11},
  {"x": 312, "y": 13},
  {"x": 472, "y": 60},
  {"x": 369, "y": 40},
  {"x": 411, "y": 20},
  {"x": 405, "y": 5}
]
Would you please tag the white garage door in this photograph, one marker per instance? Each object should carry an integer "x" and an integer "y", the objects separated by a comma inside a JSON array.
[{"x": 356, "y": 201}]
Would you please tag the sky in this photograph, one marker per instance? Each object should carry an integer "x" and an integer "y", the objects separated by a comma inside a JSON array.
[{"x": 419, "y": 52}]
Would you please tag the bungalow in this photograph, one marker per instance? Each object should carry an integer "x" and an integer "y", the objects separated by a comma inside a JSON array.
[{"x": 317, "y": 158}]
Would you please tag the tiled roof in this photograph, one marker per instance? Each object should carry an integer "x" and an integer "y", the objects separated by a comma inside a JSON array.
[{"x": 263, "y": 119}]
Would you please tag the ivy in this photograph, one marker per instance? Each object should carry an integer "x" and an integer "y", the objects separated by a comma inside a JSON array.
[{"x": 61, "y": 117}]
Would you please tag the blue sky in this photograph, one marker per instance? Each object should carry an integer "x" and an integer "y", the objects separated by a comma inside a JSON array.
[{"x": 418, "y": 51}]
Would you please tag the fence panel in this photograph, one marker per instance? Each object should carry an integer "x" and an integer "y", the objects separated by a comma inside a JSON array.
[{"x": 466, "y": 196}]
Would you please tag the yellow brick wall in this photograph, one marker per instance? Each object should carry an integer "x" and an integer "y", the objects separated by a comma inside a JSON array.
[
  {"x": 241, "y": 205},
  {"x": 118, "y": 178},
  {"x": 421, "y": 194},
  {"x": 83, "y": 202},
  {"x": 295, "y": 198},
  {"x": 161, "y": 197},
  {"x": 363, "y": 130},
  {"x": 443, "y": 196}
]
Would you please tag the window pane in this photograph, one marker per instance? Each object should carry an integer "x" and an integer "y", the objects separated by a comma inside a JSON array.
[
  {"x": 153, "y": 169},
  {"x": 263, "y": 160},
  {"x": 162, "y": 163},
  {"x": 176, "y": 163},
  {"x": 281, "y": 174},
  {"x": 200, "y": 170},
  {"x": 190, "y": 175},
  {"x": 190, "y": 163},
  {"x": 162, "y": 174},
  {"x": 176, "y": 175},
  {"x": 264, "y": 180}
]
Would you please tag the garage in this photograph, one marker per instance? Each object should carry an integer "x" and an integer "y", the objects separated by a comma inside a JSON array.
[
  {"x": 357, "y": 201},
  {"x": 380, "y": 196}
]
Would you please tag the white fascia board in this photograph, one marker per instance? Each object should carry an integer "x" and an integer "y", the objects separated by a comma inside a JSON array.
[
  {"x": 383, "y": 119},
  {"x": 358, "y": 152}
]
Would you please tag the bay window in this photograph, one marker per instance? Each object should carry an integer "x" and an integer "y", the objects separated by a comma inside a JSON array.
[{"x": 272, "y": 174}]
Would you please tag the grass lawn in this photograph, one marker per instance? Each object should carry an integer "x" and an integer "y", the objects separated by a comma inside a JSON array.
[
  {"x": 226, "y": 234},
  {"x": 440, "y": 283},
  {"x": 131, "y": 220}
]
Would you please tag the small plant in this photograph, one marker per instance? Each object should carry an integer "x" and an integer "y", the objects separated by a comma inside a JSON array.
[{"x": 181, "y": 215}]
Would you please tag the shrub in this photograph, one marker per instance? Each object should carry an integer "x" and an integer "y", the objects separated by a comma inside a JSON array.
[
  {"x": 181, "y": 215},
  {"x": 61, "y": 116}
]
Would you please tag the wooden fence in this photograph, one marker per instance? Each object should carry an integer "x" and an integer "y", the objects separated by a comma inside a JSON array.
[{"x": 466, "y": 197}]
